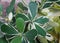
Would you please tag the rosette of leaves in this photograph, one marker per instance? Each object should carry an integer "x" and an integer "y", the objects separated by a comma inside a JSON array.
[
  {"x": 26, "y": 27},
  {"x": 32, "y": 23}
]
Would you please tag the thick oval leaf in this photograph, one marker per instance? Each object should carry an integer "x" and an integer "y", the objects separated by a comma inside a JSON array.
[
  {"x": 8, "y": 29},
  {"x": 2, "y": 40},
  {"x": 42, "y": 20},
  {"x": 10, "y": 7},
  {"x": 30, "y": 35},
  {"x": 20, "y": 24},
  {"x": 40, "y": 30},
  {"x": 22, "y": 6},
  {"x": 47, "y": 5},
  {"x": 33, "y": 7},
  {"x": 17, "y": 40},
  {"x": 22, "y": 16}
]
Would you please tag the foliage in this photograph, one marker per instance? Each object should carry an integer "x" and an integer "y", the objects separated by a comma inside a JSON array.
[{"x": 39, "y": 22}]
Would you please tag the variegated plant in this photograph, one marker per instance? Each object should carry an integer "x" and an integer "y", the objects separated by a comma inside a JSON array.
[{"x": 34, "y": 23}]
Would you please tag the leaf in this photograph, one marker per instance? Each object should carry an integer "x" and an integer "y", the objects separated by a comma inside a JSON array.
[
  {"x": 33, "y": 7},
  {"x": 56, "y": 7},
  {"x": 2, "y": 40},
  {"x": 8, "y": 29},
  {"x": 22, "y": 6},
  {"x": 40, "y": 30},
  {"x": 22, "y": 16},
  {"x": 20, "y": 24},
  {"x": 42, "y": 20},
  {"x": 30, "y": 35},
  {"x": 47, "y": 5},
  {"x": 10, "y": 7},
  {"x": 17, "y": 40},
  {"x": 42, "y": 3}
]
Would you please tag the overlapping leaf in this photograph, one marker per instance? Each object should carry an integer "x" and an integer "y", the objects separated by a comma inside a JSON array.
[
  {"x": 8, "y": 29},
  {"x": 22, "y": 16},
  {"x": 22, "y": 6},
  {"x": 10, "y": 7},
  {"x": 47, "y": 5},
  {"x": 30, "y": 35},
  {"x": 17, "y": 39},
  {"x": 40, "y": 30},
  {"x": 20, "y": 24},
  {"x": 33, "y": 6},
  {"x": 42, "y": 20}
]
